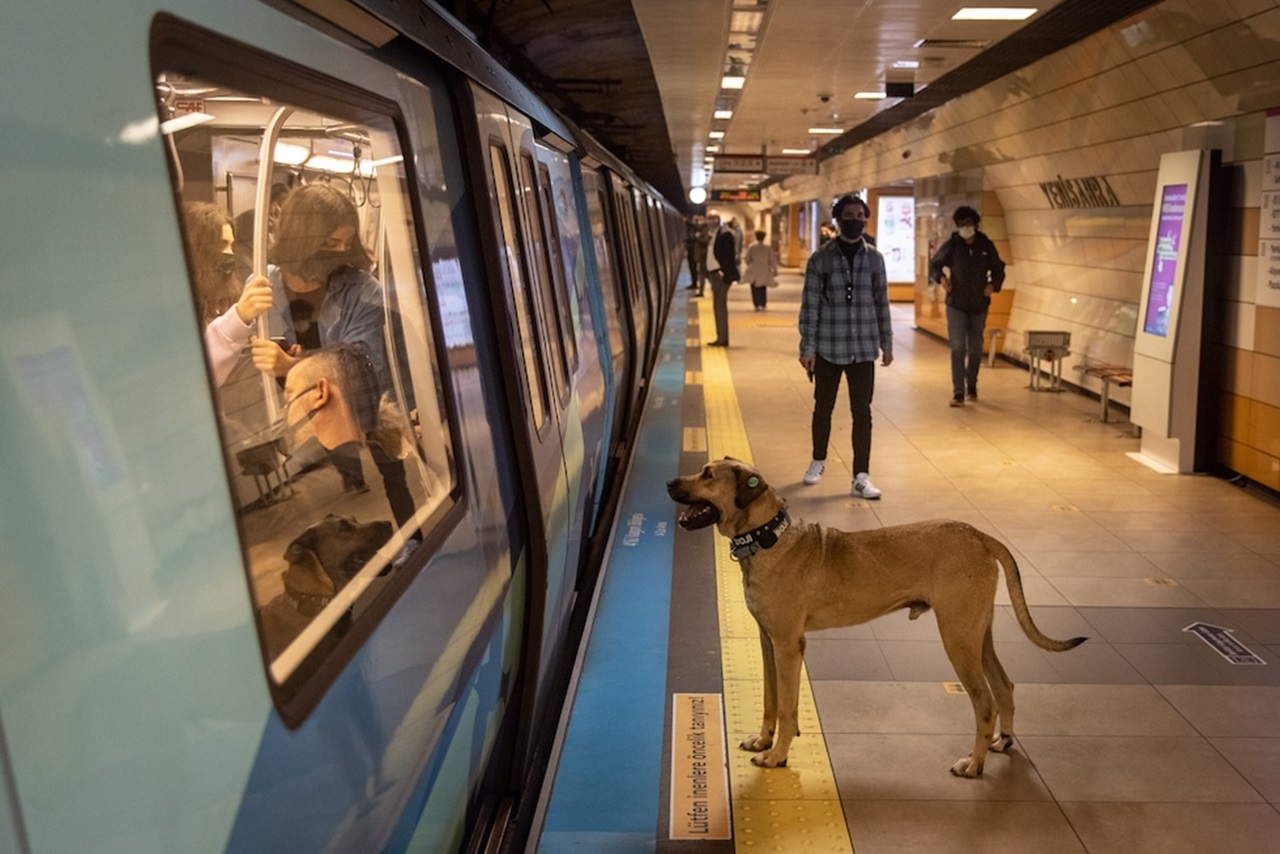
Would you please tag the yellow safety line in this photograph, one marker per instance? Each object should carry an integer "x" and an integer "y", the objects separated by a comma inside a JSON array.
[{"x": 791, "y": 809}]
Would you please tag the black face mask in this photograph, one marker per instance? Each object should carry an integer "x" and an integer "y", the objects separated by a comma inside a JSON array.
[
  {"x": 226, "y": 263},
  {"x": 851, "y": 228},
  {"x": 324, "y": 263}
]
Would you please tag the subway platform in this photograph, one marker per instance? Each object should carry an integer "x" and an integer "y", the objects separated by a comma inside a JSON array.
[{"x": 1160, "y": 734}]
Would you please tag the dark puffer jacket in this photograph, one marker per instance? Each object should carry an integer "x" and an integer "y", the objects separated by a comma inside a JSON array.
[{"x": 970, "y": 265}]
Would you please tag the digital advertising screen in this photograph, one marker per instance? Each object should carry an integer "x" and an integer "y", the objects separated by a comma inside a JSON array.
[
  {"x": 1164, "y": 263},
  {"x": 896, "y": 237}
]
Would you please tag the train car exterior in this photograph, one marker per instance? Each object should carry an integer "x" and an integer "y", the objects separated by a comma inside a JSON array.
[{"x": 323, "y": 339}]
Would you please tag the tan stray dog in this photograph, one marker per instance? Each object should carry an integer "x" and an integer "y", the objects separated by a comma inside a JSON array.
[{"x": 801, "y": 577}]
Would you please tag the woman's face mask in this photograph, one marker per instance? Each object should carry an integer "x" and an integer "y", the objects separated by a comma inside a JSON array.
[
  {"x": 226, "y": 264},
  {"x": 967, "y": 232},
  {"x": 324, "y": 263}
]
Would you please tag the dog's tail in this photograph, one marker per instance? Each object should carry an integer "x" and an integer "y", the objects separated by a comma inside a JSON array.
[{"x": 1013, "y": 579}]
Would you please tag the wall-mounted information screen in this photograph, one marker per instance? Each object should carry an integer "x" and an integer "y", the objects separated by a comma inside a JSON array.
[{"x": 1164, "y": 263}]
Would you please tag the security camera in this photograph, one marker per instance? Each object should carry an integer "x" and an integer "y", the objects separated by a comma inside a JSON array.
[{"x": 824, "y": 98}]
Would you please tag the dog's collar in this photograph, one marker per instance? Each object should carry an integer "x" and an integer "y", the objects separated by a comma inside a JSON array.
[
  {"x": 764, "y": 537},
  {"x": 306, "y": 604}
]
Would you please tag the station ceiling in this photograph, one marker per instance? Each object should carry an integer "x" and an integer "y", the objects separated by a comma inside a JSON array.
[{"x": 645, "y": 77}]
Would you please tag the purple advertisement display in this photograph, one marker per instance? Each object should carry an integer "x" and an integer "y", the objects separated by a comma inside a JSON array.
[{"x": 1164, "y": 266}]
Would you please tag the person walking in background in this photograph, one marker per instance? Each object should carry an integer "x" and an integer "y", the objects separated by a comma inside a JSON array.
[
  {"x": 969, "y": 269},
  {"x": 724, "y": 260},
  {"x": 761, "y": 271},
  {"x": 844, "y": 325}
]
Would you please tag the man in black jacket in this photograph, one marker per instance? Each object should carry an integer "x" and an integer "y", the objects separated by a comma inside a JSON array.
[
  {"x": 969, "y": 268},
  {"x": 724, "y": 260}
]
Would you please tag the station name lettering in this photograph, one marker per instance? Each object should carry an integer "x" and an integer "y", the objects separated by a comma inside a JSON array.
[{"x": 1092, "y": 192}]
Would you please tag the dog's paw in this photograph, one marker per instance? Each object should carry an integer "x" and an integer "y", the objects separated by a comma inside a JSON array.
[
  {"x": 966, "y": 767},
  {"x": 1002, "y": 742},
  {"x": 770, "y": 759},
  {"x": 757, "y": 743}
]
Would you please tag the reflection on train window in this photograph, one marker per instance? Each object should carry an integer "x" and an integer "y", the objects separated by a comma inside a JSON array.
[
  {"x": 522, "y": 293},
  {"x": 306, "y": 278}
]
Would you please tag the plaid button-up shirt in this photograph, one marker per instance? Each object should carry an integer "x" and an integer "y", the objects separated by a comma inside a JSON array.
[{"x": 844, "y": 309}]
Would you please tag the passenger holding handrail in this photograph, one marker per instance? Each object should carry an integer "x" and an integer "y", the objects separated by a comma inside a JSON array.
[
  {"x": 324, "y": 294},
  {"x": 227, "y": 312}
]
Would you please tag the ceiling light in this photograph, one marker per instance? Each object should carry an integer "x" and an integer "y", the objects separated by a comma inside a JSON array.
[
  {"x": 991, "y": 13},
  {"x": 722, "y": 114},
  {"x": 713, "y": 148},
  {"x": 732, "y": 82},
  {"x": 290, "y": 154},
  {"x": 698, "y": 195},
  {"x": 826, "y": 130},
  {"x": 746, "y": 22},
  {"x": 795, "y": 151},
  {"x": 870, "y": 96},
  {"x": 906, "y": 63},
  {"x": 717, "y": 134}
]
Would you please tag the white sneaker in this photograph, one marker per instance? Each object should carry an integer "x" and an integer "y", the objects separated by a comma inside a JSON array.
[
  {"x": 813, "y": 474},
  {"x": 863, "y": 487}
]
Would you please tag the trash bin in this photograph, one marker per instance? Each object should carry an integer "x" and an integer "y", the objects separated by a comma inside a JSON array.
[{"x": 1051, "y": 347}]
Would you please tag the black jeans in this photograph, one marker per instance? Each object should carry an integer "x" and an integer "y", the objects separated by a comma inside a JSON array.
[{"x": 862, "y": 385}]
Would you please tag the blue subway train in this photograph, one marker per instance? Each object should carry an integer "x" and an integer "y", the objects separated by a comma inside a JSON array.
[{"x": 322, "y": 340}]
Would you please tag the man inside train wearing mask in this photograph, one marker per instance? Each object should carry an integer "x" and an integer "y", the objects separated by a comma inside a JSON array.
[
  {"x": 844, "y": 326},
  {"x": 969, "y": 268},
  {"x": 332, "y": 393}
]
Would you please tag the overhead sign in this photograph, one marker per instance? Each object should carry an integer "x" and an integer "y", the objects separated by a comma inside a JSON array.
[
  {"x": 791, "y": 165},
  {"x": 739, "y": 163},
  {"x": 1223, "y": 643},
  {"x": 771, "y": 165},
  {"x": 735, "y": 195}
]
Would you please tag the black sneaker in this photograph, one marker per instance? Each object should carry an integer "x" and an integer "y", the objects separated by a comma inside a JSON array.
[
  {"x": 958, "y": 400},
  {"x": 973, "y": 393}
]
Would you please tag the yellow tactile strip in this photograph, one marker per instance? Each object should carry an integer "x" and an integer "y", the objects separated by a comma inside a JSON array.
[{"x": 785, "y": 810}]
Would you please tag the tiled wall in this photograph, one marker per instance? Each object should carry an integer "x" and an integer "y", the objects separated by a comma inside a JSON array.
[{"x": 1184, "y": 74}]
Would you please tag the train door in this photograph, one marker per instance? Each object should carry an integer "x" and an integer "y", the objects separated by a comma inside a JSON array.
[
  {"x": 558, "y": 200},
  {"x": 617, "y": 342},
  {"x": 538, "y": 405}
]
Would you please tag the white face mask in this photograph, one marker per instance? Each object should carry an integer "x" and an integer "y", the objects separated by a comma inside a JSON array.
[{"x": 967, "y": 232}]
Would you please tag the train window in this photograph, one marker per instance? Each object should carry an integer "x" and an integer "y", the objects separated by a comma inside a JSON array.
[
  {"x": 522, "y": 294},
  {"x": 541, "y": 250},
  {"x": 311, "y": 303},
  {"x": 558, "y": 211},
  {"x": 615, "y": 314}
]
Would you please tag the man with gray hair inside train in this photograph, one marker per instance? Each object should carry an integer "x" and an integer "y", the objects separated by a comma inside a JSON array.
[{"x": 333, "y": 393}]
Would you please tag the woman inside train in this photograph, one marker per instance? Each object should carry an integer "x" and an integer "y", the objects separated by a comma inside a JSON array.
[
  {"x": 227, "y": 311},
  {"x": 325, "y": 294}
]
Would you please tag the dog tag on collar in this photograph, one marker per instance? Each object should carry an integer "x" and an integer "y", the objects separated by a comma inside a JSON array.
[{"x": 767, "y": 539}]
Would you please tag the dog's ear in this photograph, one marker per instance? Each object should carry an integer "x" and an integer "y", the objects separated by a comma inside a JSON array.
[
  {"x": 750, "y": 487},
  {"x": 305, "y": 573}
]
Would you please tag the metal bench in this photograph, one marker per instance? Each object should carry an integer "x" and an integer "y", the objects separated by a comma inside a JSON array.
[{"x": 1108, "y": 374}]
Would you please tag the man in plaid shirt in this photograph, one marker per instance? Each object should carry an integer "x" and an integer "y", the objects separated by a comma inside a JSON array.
[{"x": 844, "y": 325}]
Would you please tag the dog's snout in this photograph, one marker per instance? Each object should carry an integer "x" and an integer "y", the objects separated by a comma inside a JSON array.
[{"x": 673, "y": 483}]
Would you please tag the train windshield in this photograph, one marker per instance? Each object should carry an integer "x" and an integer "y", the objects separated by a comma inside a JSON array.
[{"x": 312, "y": 312}]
